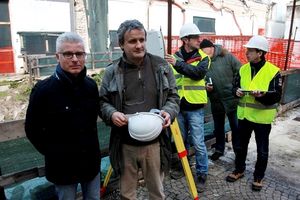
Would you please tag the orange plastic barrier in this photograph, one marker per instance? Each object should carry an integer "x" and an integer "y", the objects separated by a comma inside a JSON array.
[
  {"x": 6, "y": 60},
  {"x": 234, "y": 44}
]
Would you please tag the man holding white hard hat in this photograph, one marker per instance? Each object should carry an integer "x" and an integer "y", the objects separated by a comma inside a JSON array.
[{"x": 133, "y": 85}]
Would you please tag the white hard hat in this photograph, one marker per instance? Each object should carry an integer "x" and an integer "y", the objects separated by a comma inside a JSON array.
[
  {"x": 189, "y": 29},
  {"x": 258, "y": 42},
  {"x": 145, "y": 126}
]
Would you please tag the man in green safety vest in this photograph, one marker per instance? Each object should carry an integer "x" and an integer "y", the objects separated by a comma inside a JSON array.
[
  {"x": 258, "y": 85},
  {"x": 190, "y": 65}
]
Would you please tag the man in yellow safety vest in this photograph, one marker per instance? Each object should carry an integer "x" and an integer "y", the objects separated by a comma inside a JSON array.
[
  {"x": 258, "y": 85},
  {"x": 190, "y": 65}
]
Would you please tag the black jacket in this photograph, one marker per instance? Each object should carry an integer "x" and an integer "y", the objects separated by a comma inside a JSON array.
[{"x": 61, "y": 122}]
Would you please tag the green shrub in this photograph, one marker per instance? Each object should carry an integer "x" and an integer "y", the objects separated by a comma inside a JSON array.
[
  {"x": 14, "y": 84},
  {"x": 3, "y": 94},
  {"x": 98, "y": 77}
]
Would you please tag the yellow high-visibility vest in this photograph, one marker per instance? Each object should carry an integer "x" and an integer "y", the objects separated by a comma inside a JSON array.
[
  {"x": 193, "y": 91},
  {"x": 248, "y": 107}
]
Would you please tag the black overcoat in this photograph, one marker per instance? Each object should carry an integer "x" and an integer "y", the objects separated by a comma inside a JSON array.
[{"x": 61, "y": 122}]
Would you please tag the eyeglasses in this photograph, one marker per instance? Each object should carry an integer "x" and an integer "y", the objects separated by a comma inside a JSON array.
[{"x": 69, "y": 55}]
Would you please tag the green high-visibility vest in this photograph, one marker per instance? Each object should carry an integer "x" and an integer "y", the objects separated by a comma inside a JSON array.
[
  {"x": 193, "y": 91},
  {"x": 248, "y": 107}
]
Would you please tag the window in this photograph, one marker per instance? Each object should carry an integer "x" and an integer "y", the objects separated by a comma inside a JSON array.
[
  {"x": 4, "y": 17},
  {"x": 205, "y": 24},
  {"x": 5, "y": 39},
  {"x": 38, "y": 42},
  {"x": 114, "y": 41}
]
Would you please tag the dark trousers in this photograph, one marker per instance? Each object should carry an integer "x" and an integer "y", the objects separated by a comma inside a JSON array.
[
  {"x": 219, "y": 130},
  {"x": 262, "y": 132}
]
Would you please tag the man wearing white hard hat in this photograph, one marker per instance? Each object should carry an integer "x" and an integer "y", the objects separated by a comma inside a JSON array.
[
  {"x": 190, "y": 65},
  {"x": 132, "y": 86},
  {"x": 258, "y": 85}
]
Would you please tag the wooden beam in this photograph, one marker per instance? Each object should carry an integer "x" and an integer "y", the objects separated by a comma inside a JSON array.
[
  {"x": 12, "y": 130},
  {"x": 13, "y": 178},
  {"x": 288, "y": 106}
]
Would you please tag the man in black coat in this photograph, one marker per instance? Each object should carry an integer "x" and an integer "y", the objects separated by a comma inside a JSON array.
[{"x": 61, "y": 122}]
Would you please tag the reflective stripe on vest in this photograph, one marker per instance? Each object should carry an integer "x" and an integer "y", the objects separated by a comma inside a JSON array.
[
  {"x": 257, "y": 106},
  {"x": 193, "y": 91},
  {"x": 191, "y": 87},
  {"x": 248, "y": 107}
]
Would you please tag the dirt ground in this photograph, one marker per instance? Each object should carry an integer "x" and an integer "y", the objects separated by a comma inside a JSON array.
[
  {"x": 15, "y": 91},
  {"x": 14, "y": 95},
  {"x": 284, "y": 147}
]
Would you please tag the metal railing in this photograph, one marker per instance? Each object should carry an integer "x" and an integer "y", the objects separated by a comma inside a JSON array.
[{"x": 39, "y": 65}]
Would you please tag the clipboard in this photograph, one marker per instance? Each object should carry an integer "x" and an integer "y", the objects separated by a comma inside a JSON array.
[{"x": 246, "y": 91}]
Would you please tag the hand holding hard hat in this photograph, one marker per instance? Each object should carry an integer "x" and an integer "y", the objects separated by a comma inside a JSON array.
[
  {"x": 146, "y": 126},
  {"x": 119, "y": 119},
  {"x": 167, "y": 118}
]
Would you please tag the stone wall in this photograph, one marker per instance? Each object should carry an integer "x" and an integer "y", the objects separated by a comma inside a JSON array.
[{"x": 81, "y": 22}]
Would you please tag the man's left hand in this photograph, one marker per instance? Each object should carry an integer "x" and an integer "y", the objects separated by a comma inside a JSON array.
[
  {"x": 170, "y": 59},
  {"x": 167, "y": 118},
  {"x": 258, "y": 93}
]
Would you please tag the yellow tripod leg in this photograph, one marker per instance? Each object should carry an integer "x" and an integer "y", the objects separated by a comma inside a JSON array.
[
  {"x": 182, "y": 153},
  {"x": 106, "y": 180}
]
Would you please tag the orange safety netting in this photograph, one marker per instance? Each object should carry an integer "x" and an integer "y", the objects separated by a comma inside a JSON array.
[{"x": 234, "y": 44}]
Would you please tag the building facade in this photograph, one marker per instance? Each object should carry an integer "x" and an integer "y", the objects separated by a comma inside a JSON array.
[{"x": 32, "y": 26}]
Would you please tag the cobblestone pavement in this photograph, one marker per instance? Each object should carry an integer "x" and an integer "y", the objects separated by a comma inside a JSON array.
[
  {"x": 282, "y": 177},
  {"x": 274, "y": 186}
]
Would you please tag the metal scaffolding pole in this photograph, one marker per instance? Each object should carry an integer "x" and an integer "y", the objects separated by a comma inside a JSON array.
[{"x": 290, "y": 36}]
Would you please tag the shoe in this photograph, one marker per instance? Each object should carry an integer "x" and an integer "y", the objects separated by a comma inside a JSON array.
[
  {"x": 257, "y": 184},
  {"x": 216, "y": 155},
  {"x": 201, "y": 182},
  {"x": 234, "y": 176}
]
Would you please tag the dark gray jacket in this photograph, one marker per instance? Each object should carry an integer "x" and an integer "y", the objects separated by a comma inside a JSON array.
[
  {"x": 111, "y": 101},
  {"x": 224, "y": 67}
]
